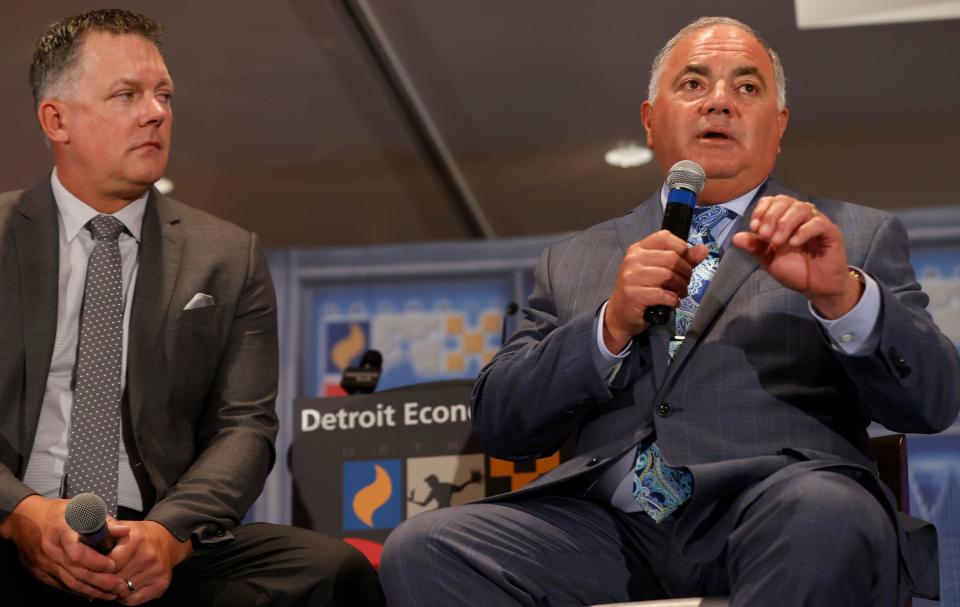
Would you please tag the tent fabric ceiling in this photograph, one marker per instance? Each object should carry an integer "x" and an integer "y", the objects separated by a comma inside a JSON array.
[{"x": 285, "y": 125}]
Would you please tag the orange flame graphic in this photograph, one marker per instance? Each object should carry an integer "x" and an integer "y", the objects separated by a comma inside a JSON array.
[
  {"x": 347, "y": 348},
  {"x": 369, "y": 499}
]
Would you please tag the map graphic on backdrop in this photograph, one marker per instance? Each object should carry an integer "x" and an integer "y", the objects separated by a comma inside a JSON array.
[
  {"x": 426, "y": 331},
  {"x": 939, "y": 273}
]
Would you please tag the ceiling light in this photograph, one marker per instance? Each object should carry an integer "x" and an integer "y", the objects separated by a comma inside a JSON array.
[
  {"x": 813, "y": 14},
  {"x": 163, "y": 185},
  {"x": 627, "y": 155}
]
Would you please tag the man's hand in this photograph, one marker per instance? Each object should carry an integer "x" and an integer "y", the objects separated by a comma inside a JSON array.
[
  {"x": 53, "y": 553},
  {"x": 655, "y": 271},
  {"x": 146, "y": 554},
  {"x": 803, "y": 250}
]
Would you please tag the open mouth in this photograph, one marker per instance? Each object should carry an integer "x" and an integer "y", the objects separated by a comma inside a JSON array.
[{"x": 715, "y": 136}]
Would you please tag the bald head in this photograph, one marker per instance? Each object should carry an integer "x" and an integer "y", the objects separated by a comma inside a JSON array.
[{"x": 656, "y": 69}]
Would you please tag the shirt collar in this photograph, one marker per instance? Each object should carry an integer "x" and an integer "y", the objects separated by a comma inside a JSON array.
[
  {"x": 737, "y": 205},
  {"x": 75, "y": 214}
]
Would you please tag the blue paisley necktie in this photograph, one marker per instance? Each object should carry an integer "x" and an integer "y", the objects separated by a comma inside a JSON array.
[{"x": 657, "y": 487}]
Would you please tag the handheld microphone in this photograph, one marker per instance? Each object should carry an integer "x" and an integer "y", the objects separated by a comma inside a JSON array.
[
  {"x": 685, "y": 180},
  {"x": 86, "y": 514},
  {"x": 509, "y": 311},
  {"x": 363, "y": 379}
]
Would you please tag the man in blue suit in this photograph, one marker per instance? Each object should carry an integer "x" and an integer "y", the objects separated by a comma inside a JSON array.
[{"x": 726, "y": 452}]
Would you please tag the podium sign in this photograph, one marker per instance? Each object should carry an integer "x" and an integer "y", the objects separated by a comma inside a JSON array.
[{"x": 362, "y": 464}]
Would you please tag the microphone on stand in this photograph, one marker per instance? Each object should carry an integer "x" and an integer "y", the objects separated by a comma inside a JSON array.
[
  {"x": 86, "y": 514},
  {"x": 685, "y": 180},
  {"x": 510, "y": 310},
  {"x": 363, "y": 379}
]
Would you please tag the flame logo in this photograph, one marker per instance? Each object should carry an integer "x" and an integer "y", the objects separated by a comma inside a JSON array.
[
  {"x": 348, "y": 348},
  {"x": 369, "y": 499}
]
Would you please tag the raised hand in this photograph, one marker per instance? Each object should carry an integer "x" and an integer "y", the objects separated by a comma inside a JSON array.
[{"x": 802, "y": 250}]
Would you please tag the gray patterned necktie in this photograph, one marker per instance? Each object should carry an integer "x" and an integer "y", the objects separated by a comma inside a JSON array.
[{"x": 94, "y": 441}]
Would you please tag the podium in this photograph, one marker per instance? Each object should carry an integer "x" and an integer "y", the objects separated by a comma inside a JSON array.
[{"x": 363, "y": 464}]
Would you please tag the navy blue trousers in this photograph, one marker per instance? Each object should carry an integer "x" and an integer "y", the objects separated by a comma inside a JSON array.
[{"x": 817, "y": 539}]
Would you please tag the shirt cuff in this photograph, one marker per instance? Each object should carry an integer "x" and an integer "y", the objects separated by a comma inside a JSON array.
[
  {"x": 856, "y": 333},
  {"x": 606, "y": 362}
]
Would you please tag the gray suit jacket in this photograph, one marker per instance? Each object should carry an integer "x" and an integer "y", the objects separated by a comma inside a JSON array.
[
  {"x": 755, "y": 388},
  {"x": 201, "y": 383}
]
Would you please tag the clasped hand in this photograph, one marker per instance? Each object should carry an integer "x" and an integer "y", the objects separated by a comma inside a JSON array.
[
  {"x": 145, "y": 553},
  {"x": 791, "y": 240}
]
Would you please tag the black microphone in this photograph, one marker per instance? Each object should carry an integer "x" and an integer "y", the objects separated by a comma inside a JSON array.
[
  {"x": 87, "y": 515},
  {"x": 510, "y": 310},
  {"x": 363, "y": 379},
  {"x": 685, "y": 180}
]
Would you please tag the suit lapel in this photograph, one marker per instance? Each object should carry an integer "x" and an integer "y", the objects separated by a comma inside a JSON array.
[
  {"x": 35, "y": 230},
  {"x": 637, "y": 225},
  {"x": 161, "y": 246}
]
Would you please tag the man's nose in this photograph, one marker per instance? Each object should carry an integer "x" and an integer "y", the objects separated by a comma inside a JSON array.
[
  {"x": 155, "y": 112},
  {"x": 718, "y": 100}
]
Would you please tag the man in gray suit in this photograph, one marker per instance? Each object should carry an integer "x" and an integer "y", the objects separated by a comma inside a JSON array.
[
  {"x": 723, "y": 455},
  {"x": 194, "y": 371}
]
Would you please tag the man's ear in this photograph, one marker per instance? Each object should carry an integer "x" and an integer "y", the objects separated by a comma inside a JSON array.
[
  {"x": 53, "y": 120},
  {"x": 782, "y": 118},
  {"x": 646, "y": 116}
]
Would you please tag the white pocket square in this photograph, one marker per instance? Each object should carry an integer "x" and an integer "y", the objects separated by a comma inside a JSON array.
[{"x": 200, "y": 300}]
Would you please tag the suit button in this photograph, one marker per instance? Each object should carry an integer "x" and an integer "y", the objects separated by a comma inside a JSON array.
[
  {"x": 664, "y": 410},
  {"x": 594, "y": 461},
  {"x": 899, "y": 363}
]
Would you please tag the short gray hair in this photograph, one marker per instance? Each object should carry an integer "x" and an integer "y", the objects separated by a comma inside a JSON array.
[
  {"x": 58, "y": 48},
  {"x": 656, "y": 70}
]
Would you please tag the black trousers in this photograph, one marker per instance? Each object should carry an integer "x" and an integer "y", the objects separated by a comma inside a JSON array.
[{"x": 265, "y": 565}]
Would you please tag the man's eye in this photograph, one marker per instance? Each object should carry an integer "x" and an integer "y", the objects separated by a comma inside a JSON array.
[
  {"x": 691, "y": 85},
  {"x": 125, "y": 95},
  {"x": 165, "y": 97},
  {"x": 749, "y": 88}
]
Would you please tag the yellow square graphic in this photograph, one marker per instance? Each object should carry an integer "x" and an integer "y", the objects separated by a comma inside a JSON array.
[
  {"x": 455, "y": 362},
  {"x": 491, "y": 322},
  {"x": 473, "y": 343},
  {"x": 454, "y": 324}
]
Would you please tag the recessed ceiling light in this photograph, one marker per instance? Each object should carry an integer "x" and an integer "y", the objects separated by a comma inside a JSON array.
[
  {"x": 627, "y": 155},
  {"x": 163, "y": 185}
]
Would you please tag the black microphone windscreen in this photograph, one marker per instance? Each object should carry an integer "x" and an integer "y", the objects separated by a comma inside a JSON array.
[{"x": 372, "y": 358}]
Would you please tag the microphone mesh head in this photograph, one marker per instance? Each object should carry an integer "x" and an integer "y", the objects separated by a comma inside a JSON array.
[
  {"x": 86, "y": 513},
  {"x": 687, "y": 174}
]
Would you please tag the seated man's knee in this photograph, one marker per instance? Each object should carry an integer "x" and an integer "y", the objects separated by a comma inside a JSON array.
[
  {"x": 426, "y": 539},
  {"x": 331, "y": 568},
  {"x": 825, "y": 504},
  {"x": 411, "y": 540}
]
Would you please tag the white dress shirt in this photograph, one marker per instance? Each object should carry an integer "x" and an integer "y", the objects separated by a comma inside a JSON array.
[{"x": 49, "y": 456}]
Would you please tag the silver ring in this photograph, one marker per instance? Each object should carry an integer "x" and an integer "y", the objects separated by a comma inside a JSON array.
[{"x": 130, "y": 586}]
